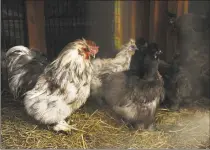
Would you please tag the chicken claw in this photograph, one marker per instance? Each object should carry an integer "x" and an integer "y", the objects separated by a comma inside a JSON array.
[{"x": 64, "y": 126}]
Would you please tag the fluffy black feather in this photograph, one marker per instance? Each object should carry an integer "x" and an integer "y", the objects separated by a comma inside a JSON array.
[{"x": 178, "y": 85}]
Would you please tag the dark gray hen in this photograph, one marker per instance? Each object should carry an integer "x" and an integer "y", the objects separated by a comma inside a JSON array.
[
  {"x": 178, "y": 85},
  {"x": 133, "y": 98},
  {"x": 23, "y": 69}
]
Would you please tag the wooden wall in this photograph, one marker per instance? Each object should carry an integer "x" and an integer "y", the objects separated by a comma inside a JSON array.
[
  {"x": 144, "y": 18},
  {"x": 35, "y": 23},
  {"x": 149, "y": 19},
  {"x": 160, "y": 31}
]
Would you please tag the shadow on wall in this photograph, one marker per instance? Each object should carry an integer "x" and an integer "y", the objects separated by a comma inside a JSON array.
[{"x": 102, "y": 31}]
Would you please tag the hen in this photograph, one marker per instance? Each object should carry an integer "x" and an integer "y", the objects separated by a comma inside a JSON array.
[
  {"x": 120, "y": 63},
  {"x": 178, "y": 84},
  {"x": 108, "y": 66},
  {"x": 133, "y": 98},
  {"x": 63, "y": 87},
  {"x": 23, "y": 69}
]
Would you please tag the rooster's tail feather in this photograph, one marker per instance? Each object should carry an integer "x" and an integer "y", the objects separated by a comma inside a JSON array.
[{"x": 24, "y": 66}]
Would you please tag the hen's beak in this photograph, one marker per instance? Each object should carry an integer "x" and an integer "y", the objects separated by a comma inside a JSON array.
[{"x": 136, "y": 49}]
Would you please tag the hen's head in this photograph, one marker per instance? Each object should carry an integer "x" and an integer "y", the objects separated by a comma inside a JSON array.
[
  {"x": 86, "y": 48},
  {"x": 141, "y": 43},
  {"x": 131, "y": 46},
  {"x": 151, "y": 60},
  {"x": 153, "y": 51}
]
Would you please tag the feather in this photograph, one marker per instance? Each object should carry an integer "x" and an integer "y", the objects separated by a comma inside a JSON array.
[
  {"x": 23, "y": 69},
  {"x": 107, "y": 66}
]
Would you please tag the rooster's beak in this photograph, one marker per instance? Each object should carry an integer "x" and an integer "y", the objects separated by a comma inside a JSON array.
[
  {"x": 93, "y": 55},
  {"x": 94, "y": 51}
]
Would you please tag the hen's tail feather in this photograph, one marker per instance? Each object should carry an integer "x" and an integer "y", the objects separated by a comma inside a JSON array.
[{"x": 23, "y": 67}]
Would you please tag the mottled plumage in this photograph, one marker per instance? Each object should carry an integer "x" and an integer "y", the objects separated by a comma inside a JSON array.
[
  {"x": 133, "y": 98},
  {"x": 63, "y": 87},
  {"x": 23, "y": 69}
]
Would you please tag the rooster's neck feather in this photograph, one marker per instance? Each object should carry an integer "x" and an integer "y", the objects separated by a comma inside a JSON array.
[{"x": 70, "y": 66}]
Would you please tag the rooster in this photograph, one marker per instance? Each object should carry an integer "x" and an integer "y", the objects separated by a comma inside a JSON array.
[
  {"x": 136, "y": 99},
  {"x": 63, "y": 87},
  {"x": 23, "y": 69},
  {"x": 107, "y": 66}
]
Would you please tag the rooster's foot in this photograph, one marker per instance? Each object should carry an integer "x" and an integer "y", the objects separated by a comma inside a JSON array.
[{"x": 63, "y": 126}]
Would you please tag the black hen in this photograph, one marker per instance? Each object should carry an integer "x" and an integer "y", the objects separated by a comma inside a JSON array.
[
  {"x": 133, "y": 98},
  {"x": 178, "y": 85},
  {"x": 137, "y": 60}
]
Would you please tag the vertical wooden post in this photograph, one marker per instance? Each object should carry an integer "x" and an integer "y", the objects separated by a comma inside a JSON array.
[
  {"x": 142, "y": 19},
  {"x": 118, "y": 26},
  {"x": 186, "y": 6},
  {"x": 154, "y": 7},
  {"x": 36, "y": 24},
  {"x": 158, "y": 23},
  {"x": 126, "y": 23},
  {"x": 133, "y": 19},
  {"x": 180, "y": 9},
  {"x": 156, "y": 18},
  {"x": 171, "y": 36}
]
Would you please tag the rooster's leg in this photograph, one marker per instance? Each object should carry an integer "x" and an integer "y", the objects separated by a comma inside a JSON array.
[{"x": 63, "y": 126}]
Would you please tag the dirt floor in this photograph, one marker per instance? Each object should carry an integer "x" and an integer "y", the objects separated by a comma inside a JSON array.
[{"x": 188, "y": 128}]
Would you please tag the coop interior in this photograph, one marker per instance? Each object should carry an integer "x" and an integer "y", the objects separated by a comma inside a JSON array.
[{"x": 178, "y": 27}]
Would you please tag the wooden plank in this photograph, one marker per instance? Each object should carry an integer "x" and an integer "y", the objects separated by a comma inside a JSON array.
[
  {"x": 36, "y": 24},
  {"x": 133, "y": 19},
  {"x": 158, "y": 24},
  {"x": 186, "y": 6},
  {"x": 125, "y": 19},
  {"x": 180, "y": 8},
  {"x": 171, "y": 36},
  {"x": 118, "y": 27},
  {"x": 172, "y": 6},
  {"x": 142, "y": 19},
  {"x": 154, "y": 14}
]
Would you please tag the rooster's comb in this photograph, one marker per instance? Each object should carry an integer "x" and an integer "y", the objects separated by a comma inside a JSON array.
[{"x": 92, "y": 47}]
